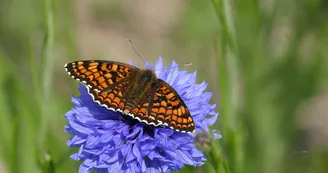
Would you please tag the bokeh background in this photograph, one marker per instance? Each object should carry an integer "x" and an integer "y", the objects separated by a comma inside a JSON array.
[{"x": 264, "y": 60}]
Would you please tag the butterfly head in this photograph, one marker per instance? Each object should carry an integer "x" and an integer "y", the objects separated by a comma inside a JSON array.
[{"x": 147, "y": 76}]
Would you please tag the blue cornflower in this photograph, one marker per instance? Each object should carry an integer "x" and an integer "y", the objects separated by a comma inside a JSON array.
[{"x": 110, "y": 143}]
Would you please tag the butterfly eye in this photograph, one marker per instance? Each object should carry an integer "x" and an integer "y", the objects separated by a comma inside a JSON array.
[{"x": 147, "y": 78}]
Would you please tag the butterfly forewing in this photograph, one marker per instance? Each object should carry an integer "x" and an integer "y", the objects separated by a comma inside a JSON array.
[
  {"x": 100, "y": 75},
  {"x": 112, "y": 84}
]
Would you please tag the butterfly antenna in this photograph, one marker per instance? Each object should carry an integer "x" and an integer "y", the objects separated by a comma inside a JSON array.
[
  {"x": 182, "y": 65},
  {"x": 187, "y": 64},
  {"x": 135, "y": 50}
]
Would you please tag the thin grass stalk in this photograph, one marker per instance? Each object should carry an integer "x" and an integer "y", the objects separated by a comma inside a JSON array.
[
  {"x": 47, "y": 68},
  {"x": 14, "y": 152}
]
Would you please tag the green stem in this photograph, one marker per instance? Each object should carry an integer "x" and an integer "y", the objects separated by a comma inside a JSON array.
[
  {"x": 223, "y": 11},
  {"x": 226, "y": 165},
  {"x": 216, "y": 156}
]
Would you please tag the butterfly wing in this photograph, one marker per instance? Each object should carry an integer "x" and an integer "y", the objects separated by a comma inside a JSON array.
[
  {"x": 169, "y": 109},
  {"x": 113, "y": 98},
  {"x": 100, "y": 75},
  {"x": 163, "y": 106}
]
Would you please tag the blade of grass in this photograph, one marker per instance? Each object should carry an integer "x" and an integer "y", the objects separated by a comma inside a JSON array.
[
  {"x": 6, "y": 124},
  {"x": 25, "y": 137},
  {"x": 228, "y": 82},
  {"x": 47, "y": 64},
  {"x": 47, "y": 68},
  {"x": 22, "y": 111}
]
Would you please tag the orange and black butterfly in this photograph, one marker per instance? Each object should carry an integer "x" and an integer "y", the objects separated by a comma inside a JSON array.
[{"x": 134, "y": 92}]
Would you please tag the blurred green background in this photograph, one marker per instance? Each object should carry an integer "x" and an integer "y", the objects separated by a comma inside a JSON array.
[{"x": 264, "y": 60}]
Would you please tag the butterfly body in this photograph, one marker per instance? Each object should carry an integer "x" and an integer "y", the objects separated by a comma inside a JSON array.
[
  {"x": 134, "y": 92},
  {"x": 141, "y": 84}
]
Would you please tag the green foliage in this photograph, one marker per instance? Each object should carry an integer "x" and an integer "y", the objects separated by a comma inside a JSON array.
[{"x": 270, "y": 58}]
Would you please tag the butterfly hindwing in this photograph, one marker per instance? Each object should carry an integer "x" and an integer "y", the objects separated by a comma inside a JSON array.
[
  {"x": 142, "y": 111},
  {"x": 112, "y": 99},
  {"x": 170, "y": 110}
]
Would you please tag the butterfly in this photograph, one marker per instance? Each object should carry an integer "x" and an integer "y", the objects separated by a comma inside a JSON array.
[{"x": 134, "y": 92}]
